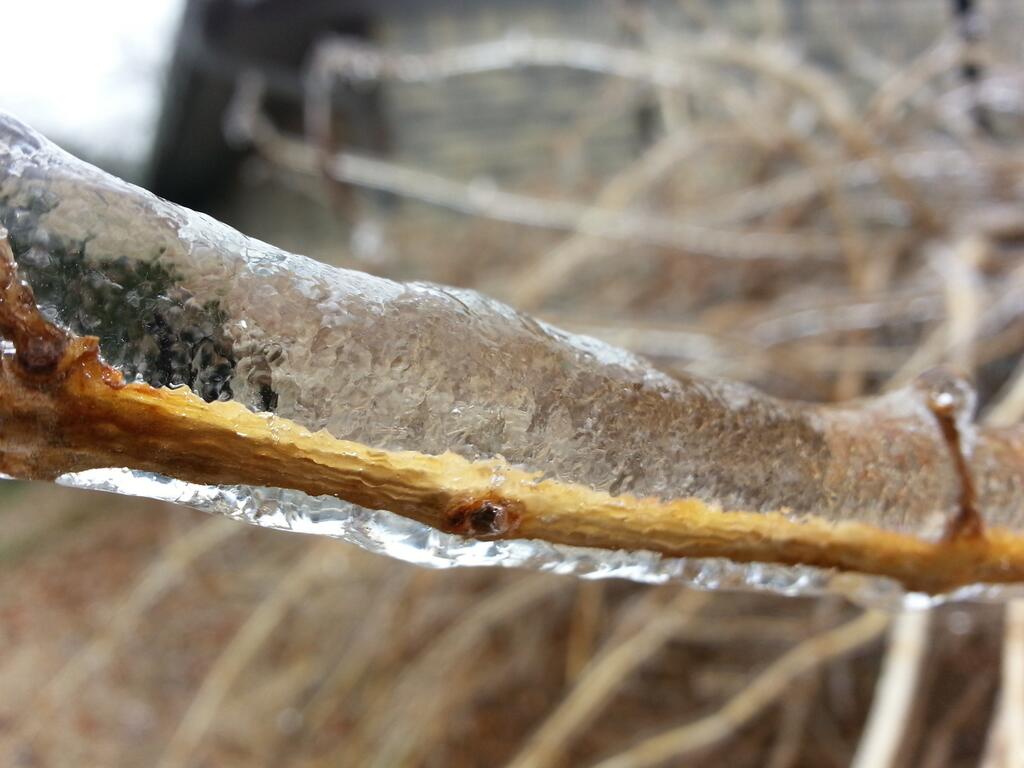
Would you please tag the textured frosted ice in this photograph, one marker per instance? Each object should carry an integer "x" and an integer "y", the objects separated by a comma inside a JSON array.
[{"x": 179, "y": 299}]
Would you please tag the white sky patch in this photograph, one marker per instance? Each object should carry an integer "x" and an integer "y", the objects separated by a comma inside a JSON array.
[{"x": 89, "y": 74}]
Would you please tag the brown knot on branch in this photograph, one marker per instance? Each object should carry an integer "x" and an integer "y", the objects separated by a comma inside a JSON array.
[{"x": 39, "y": 345}]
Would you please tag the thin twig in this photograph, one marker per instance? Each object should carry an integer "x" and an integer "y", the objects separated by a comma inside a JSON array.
[
  {"x": 954, "y": 338},
  {"x": 336, "y": 679},
  {"x": 763, "y": 691},
  {"x": 322, "y": 561},
  {"x": 600, "y": 681},
  {"x": 487, "y": 200},
  {"x": 1006, "y": 730},
  {"x": 394, "y": 728},
  {"x": 908, "y": 82},
  {"x": 1012, "y": 710},
  {"x": 794, "y": 718},
  {"x": 942, "y": 735},
  {"x": 583, "y": 628},
  {"x": 897, "y": 684}
]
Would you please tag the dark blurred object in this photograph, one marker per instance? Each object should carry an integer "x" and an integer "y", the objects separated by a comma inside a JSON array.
[
  {"x": 218, "y": 41},
  {"x": 497, "y": 125}
]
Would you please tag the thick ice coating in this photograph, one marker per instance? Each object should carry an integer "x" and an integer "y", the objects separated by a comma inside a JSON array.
[{"x": 177, "y": 298}]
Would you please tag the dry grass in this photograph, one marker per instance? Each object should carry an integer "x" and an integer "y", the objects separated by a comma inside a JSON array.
[{"x": 273, "y": 649}]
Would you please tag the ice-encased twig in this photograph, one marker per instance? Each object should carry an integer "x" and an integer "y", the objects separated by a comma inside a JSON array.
[{"x": 497, "y": 439}]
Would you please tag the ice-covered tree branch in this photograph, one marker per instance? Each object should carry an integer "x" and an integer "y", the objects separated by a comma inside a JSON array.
[{"x": 187, "y": 351}]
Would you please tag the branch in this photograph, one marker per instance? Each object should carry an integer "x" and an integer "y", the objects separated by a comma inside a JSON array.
[
  {"x": 246, "y": 643},
  {"x": 361, "y": 62},
  {"x": 894, "y": 692},
  {"x": 551, "y": 438},
  {"x": 248, "y": 124},
  {"x": 1006, "y": 729},
  {"x": 764, "y": 690},
  {"x": 72, "y": 412},
  {"x": 601, "y": 679}
]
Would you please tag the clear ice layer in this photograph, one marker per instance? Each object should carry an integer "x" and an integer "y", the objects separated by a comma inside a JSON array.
[
  {"x": 178, "y": 299},
  {"x": 385, "y": 533}
]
